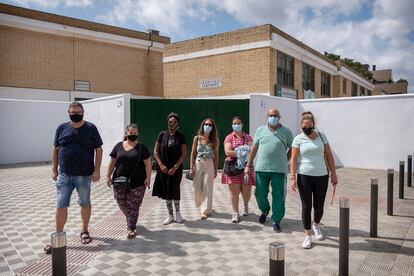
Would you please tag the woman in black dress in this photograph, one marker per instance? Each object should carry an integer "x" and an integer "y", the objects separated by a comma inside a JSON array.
[{"x": 169, "y": 152}]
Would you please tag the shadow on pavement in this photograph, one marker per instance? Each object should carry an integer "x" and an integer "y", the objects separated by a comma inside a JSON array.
[{"x": 165, "y": 241}]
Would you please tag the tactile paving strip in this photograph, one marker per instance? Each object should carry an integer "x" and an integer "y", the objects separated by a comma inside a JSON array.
[{"x": 104, "y": 233}]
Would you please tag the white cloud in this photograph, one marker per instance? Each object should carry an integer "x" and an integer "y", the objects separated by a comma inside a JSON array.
[
  {"x": 54, "y": 3},
  {"x": 166, "y": 16},
  {"x": 381, "y": 37}
]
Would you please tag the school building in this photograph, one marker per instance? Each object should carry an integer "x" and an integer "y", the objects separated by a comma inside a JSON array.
[
  {"x": 54, "y": 56},
  {"x": 261, "y": 59}
]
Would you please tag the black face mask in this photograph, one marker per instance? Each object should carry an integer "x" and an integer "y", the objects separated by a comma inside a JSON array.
[
  {"x": 76, "y": 118},
  {"x": 172, "y": 126},
  {"x": 132, "y": 138},
  {"x": 307, "y": 130}
]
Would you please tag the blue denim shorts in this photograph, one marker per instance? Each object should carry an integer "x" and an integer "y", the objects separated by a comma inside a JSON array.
[{"x": 65, "y": 185}]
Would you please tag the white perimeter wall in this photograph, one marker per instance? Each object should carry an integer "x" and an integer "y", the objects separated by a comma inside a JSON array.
[
  {"x": 260, "y": 105},
  {"x": 28, "y": 127},
  {"x": 366, "y": 132},
  {"x": 55, "y": 95},
  {"x": 110, "y": 115}
]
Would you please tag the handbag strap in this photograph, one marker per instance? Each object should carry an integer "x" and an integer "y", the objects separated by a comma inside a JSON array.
[
  {"x": 139, "y": 157},
  {"x": 280, "y": 138},
  {"x": 323, "y": 141}
]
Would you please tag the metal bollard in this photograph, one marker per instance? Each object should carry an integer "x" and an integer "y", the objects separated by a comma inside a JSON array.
[
  {"x": 401, "y": 182},
  {"x": 374, "y": 208},
  {"x": 58, "y": 244},
  {"x": 276, "y": 259},
  {"x": 409, "y": 170},
  {"x": 343, "y": 237},
  {"x": 390, "y": 192}
]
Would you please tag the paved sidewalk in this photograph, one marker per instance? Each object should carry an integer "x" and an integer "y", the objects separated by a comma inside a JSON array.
[{"x": 195, "y": 247}]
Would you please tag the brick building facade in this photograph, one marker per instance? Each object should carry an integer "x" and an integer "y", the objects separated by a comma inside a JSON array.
[
  {"x": 46, "y": 51},
  {"x": 260, "y": 59}
]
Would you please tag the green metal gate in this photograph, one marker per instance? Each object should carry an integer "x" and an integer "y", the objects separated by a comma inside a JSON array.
[{"x": 151, "y": 117}]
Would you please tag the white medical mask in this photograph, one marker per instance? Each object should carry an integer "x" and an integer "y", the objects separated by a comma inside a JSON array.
[
  {"x": 237, "y": 127},
  {"x": 273, "y": 120},
  {"x": 207, "y": 129}
]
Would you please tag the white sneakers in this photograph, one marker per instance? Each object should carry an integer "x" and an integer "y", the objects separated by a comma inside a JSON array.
[
  {"x": 178, "y": 217},
  {"x": 307, "y": 243},
  {"x": 236, "y": 218},
  {"x": 245, "y": 211},
  {"x": 170, "y": 219},
  {"x": 318, "y": 233}
]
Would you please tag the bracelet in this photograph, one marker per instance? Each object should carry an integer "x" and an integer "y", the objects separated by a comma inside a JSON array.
[{"x": 175, "y": 166}]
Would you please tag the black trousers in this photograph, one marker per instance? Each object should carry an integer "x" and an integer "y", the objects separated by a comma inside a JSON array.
[{"x": 312, "y": 189}]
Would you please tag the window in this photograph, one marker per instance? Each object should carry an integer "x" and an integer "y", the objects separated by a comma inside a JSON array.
[
  {"x": 354, "y": 88},
  {"x": 325, "y": 84},
  {"x": 308, "y": 77},
  {"x": 362, "y": 91},
  {"x": 285, "y": 69},
  {"x": 344, "y": 86},
  {"x": 369, "y": 92}
]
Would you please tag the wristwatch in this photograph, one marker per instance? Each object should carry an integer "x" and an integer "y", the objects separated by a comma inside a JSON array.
[{"x": 175, "y": 166}]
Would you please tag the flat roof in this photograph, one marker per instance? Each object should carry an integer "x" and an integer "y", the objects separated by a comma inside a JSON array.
[{"x": 79, "y": 23}]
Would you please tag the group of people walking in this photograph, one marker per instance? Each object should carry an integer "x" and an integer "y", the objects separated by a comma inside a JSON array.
[{"x": 78, "y": 152}]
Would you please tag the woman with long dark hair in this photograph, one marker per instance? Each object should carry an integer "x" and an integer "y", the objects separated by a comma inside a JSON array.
[{"x": 203, "y": 165}]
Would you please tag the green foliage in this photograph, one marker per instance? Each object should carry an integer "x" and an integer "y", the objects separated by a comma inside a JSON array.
[
  {"x": 356, "y": 65},
  {"x": 402, "y": 80}
]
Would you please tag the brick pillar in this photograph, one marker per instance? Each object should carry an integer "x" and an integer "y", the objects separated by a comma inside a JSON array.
[
  {"x": 317, "y": 83},
  {"x": 337, "y": 87},
  {"x": 272, "y": 70},
  {"x": 297, "y": 83}
]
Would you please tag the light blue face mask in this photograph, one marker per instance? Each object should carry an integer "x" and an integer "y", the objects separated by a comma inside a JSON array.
[
  {"x": 273, "y": 120},
  {"x": 237, "y": 127},
  {"x": 207, "y": 129}
]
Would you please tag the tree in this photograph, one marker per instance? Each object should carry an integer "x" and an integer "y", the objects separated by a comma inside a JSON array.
[
  {"x": 356, "y": 65},
  {"x": 402, "y": 80}
]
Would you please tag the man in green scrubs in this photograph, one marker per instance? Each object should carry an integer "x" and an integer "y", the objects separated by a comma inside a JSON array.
[{"x": 272, "y": 143}]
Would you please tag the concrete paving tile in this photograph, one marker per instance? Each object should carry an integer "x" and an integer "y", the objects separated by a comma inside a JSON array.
[{"x": 213, "y": 247}]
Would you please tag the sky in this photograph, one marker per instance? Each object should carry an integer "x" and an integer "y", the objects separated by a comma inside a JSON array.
[{"x": 379, "y": 32}]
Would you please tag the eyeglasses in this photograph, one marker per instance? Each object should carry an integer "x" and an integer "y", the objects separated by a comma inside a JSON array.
[{"x": 207, "y": 124}]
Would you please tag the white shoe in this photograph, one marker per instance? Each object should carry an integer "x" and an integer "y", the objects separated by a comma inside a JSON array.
[
  {"x": 178, "y": 217},
  {"x": 168, "y": 220},
  {"x": 236, "y": 218},
  {"x": 307, "y": 243},
  {"x": 318, "y": 233},
  {"x": 245, "y": 211}
]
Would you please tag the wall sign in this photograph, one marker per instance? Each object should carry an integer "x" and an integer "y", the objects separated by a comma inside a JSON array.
[
  {"x": 210, "y": 84},
  {"x": 82, "y": 85}
]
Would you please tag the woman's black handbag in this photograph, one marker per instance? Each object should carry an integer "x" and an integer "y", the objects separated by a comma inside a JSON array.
[
  {"x": 123, "y": 182},
  {"x": 230, "y": 168}
]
